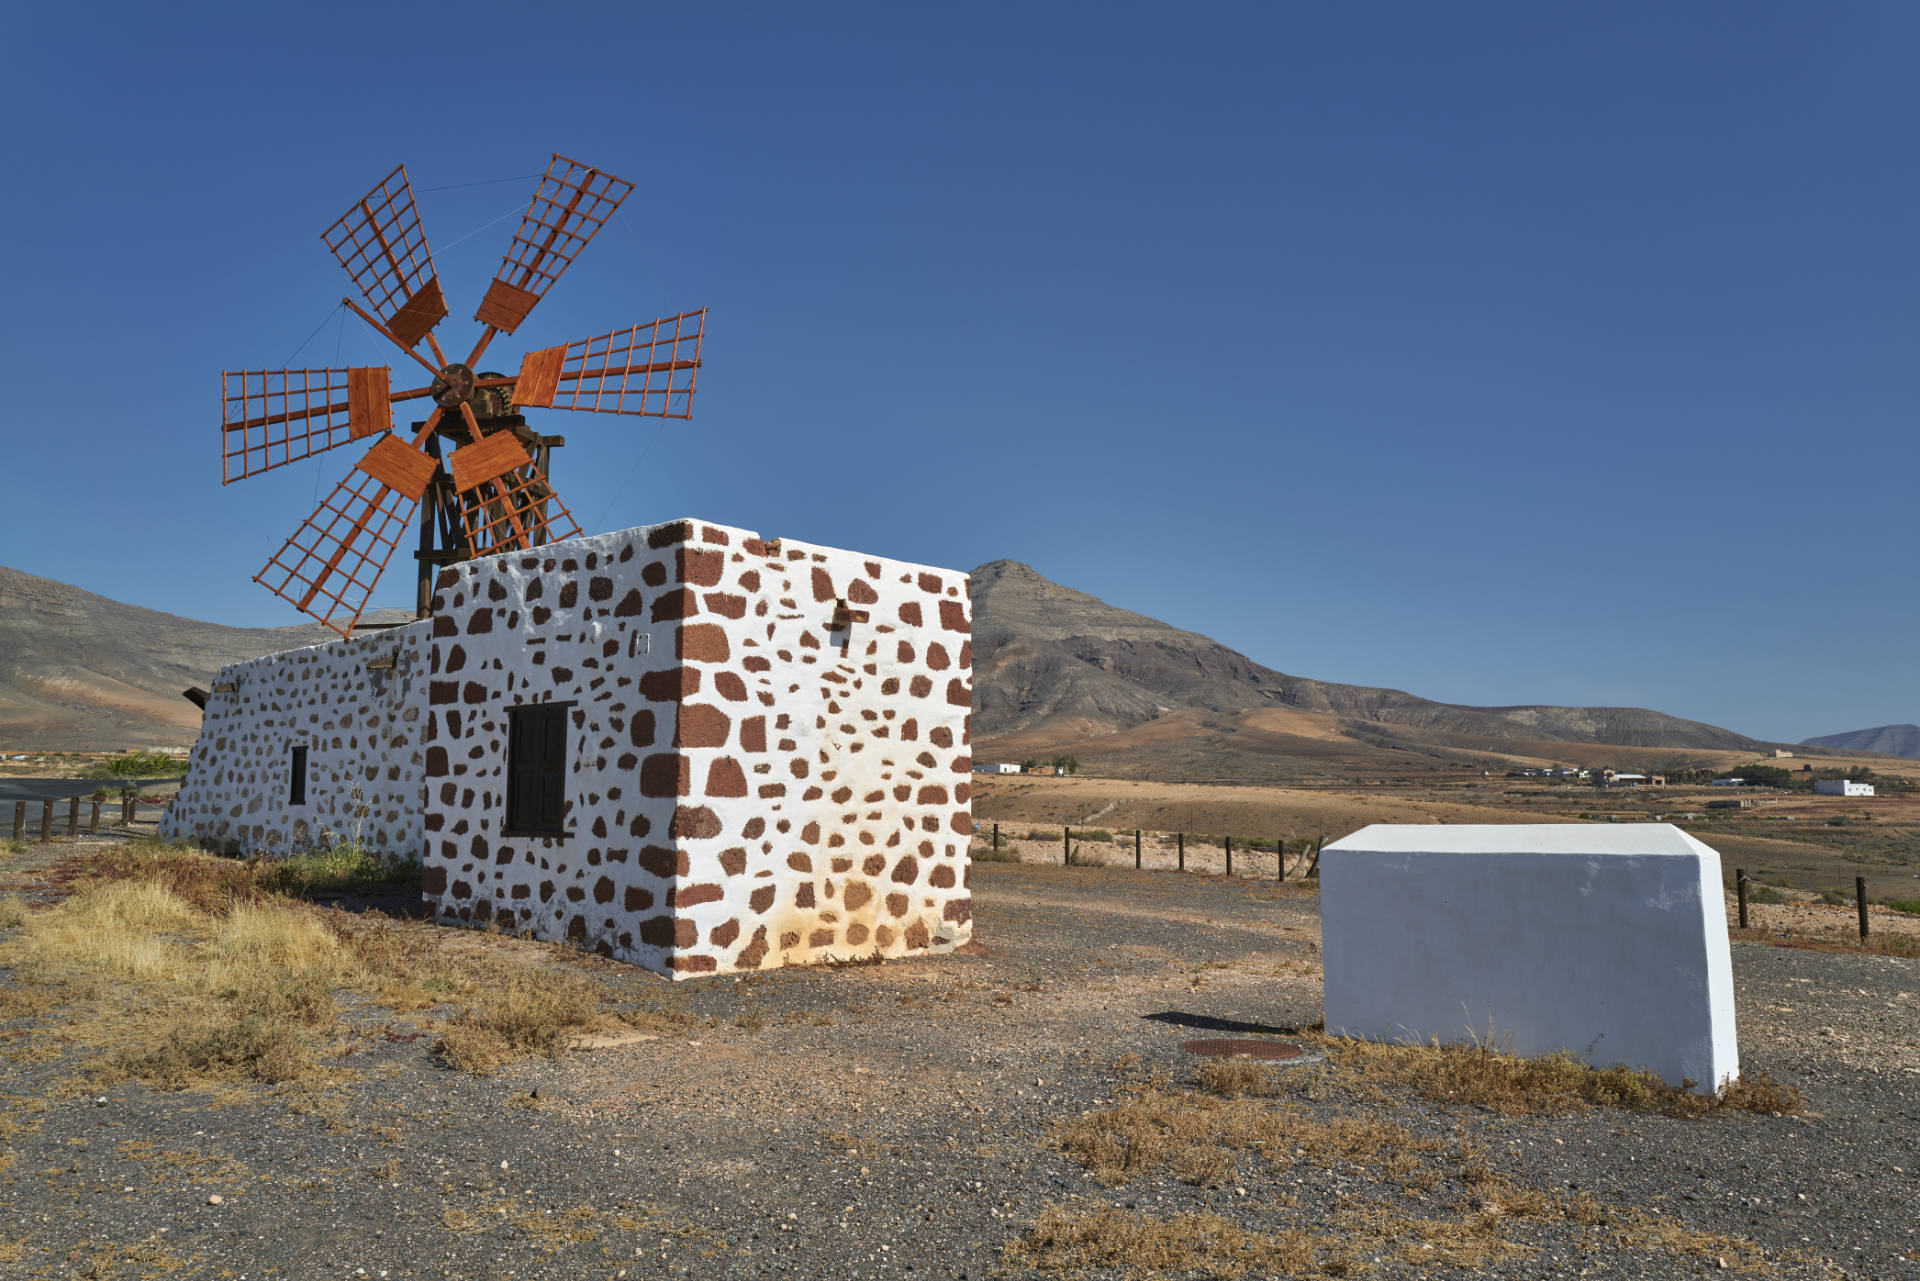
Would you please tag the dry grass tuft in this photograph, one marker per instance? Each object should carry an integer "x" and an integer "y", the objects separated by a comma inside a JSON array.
[
  {"x": 1200, "y": 1137},
  {"x": 527, "y": 1017},
  {"x": 185, "y": 970},
  {"x": 1558, "y": 1082},
  {"x": 1207, "y": 1245}
]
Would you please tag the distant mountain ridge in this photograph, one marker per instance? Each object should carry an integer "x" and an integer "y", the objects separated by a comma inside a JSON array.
[
  {"x": 1893, "y": 740},
  {"x": 1052, "y": 662},
  {"x": 80, "y": 672}
]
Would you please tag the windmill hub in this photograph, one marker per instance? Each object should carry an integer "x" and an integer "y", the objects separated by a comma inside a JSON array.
[{"x": 453, "y": 386}]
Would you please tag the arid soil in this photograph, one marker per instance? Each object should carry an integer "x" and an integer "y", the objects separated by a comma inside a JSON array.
[
  {"x": 1784, "y": 839},
  {"x": 929, "y": 1118}
]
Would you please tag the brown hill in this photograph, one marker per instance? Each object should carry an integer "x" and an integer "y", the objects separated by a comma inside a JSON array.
[
  {"x": 1057, "y": 669},
  {"x": 1054, "y": 669},
  {"x": 79, "y": 672},
  {"x": 1892, "y": 740}
]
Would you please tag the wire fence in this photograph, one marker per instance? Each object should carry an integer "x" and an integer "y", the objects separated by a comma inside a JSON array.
[{"x": 1273, "y": 858}]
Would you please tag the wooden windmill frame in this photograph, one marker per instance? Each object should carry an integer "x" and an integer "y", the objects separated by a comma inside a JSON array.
[{"x": 490, "y": 493}]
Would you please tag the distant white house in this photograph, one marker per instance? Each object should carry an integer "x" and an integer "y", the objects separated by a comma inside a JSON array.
[
  {"x": 996, "y": 767},
  {"x": 1727, "y": 782},
  {"x": 1842, "y": 787}
]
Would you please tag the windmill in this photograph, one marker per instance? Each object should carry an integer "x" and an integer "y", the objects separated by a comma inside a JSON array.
[{"x": 491, "y": 493}]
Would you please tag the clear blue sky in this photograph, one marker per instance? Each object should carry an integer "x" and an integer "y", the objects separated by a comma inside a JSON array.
[{"x": 1503, "y": 353}]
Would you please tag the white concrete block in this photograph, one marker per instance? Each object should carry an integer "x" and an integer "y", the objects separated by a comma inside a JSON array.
[{"x": 1606, "y": 941}]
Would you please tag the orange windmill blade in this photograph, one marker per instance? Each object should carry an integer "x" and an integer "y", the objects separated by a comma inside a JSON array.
[
  {"x": 571, "y": 203},
  {"x": 329, "y": 566},
  {"x": 505, "y": 501},
  {"x": 648, "y": 369},
  {"x": 380, "y": 243},
  {"x": 271, "y": 417}
]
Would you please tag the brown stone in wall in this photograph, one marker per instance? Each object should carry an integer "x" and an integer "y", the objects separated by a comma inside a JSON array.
[
  {"x": 699, "y": 567},
  {"x": 723, "y": 934},
  {"x": 754, "y": 952},
  {"x": 958, "y": 694},
  {"x": 702, "y": 643},
  {"x": 637, "y": 899},
  {"x": 726, "y": 778},
  {"x": 666, "y": 774},
  {"x": 679, "y": 531},
  {"x": 915, "y": 937},
  {"x": 678, "y": 603},
  {"x": 959, "y": 910},
  {"x": 640, "y": 728},
  {"x": 730, "y": 686},
  {"x": 941, "y": 877},
  {"x": 663, "y": 862},
  {"x": 910, "y": 613},
  {"x": 725, "y": 604},
  {"x": 671, "y": 684},
  {"x": 436, "y": 762},
  {"x": 823, "y": 585},
  {"x": 694, "y": 895},
  {"x": 632, "y": 605},
  {"x": 906, "y": 871},
  {"x": 694, "y": 822},
  {"x": 701, "y": 725},
  {"x": 858, "y": 894},
  {"x": 860, "y": 592},
  {"x": 761, "y": 899},
  {"x": 734, "y": 861},
  {"x": 683, "y": 964}
]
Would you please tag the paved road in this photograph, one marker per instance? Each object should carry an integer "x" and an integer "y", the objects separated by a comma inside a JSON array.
[{"x": 59, "y": 789}]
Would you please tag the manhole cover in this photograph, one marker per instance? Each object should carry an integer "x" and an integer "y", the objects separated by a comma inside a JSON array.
[{"x": 1241, "y": 1048}]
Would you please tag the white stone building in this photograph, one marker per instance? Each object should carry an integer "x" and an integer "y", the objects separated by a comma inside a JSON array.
[
  {"x": 1841, "y": 787},
  {"x": 684, "y": 746}
]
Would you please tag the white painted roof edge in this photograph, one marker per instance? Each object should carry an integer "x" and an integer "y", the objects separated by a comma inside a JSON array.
[{"x": 1580, "y": 839}]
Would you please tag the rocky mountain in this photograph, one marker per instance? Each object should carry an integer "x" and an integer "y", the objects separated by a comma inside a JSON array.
[
  {"x": 1894, "y": 740},
  {"x": 79, "y": 672},
  {"x": 1054, "y": 666},
  {"x": 1053, "y": 669}
]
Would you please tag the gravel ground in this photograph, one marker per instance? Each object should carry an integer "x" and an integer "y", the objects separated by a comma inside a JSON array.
[{"x": 890, "y": 1121}]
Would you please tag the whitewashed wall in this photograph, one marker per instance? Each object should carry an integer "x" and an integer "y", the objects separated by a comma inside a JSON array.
[
  {"x": 1606, "y": 941},
  {"x": 751, "y": 785},
  {"x": 361, "y": 728}
]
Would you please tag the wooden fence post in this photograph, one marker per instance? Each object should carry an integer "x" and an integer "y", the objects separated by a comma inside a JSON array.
[
  {"x": 1066, "y": 847},
  {"x": 1182, "y": 838},
  {"x": 1313, "y": 869},
  {"x": 1136, "y": 849},
  {"x": 126, "y": 811},
  {"x": 1229, "y": 841},
  {"x": 1280, "y": 859},
  {"x": 996, "y": 838},
  {"x": 93, "y": 819},
  {"x": 46, "y": 820},
  {"x": 1860, "y": 897},
  {"x": 73, "y": 816},
  {"x": 19, "y": 820},
  {"x": 1740, "y": 890}
]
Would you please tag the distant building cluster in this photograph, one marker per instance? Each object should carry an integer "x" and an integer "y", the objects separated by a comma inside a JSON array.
[{"x": 996, "y": 767}]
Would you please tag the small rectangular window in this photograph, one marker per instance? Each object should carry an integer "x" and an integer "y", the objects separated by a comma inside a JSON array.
[
  {"x": 297, "y": 776},
  {"x": 537, "y": 769}
]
